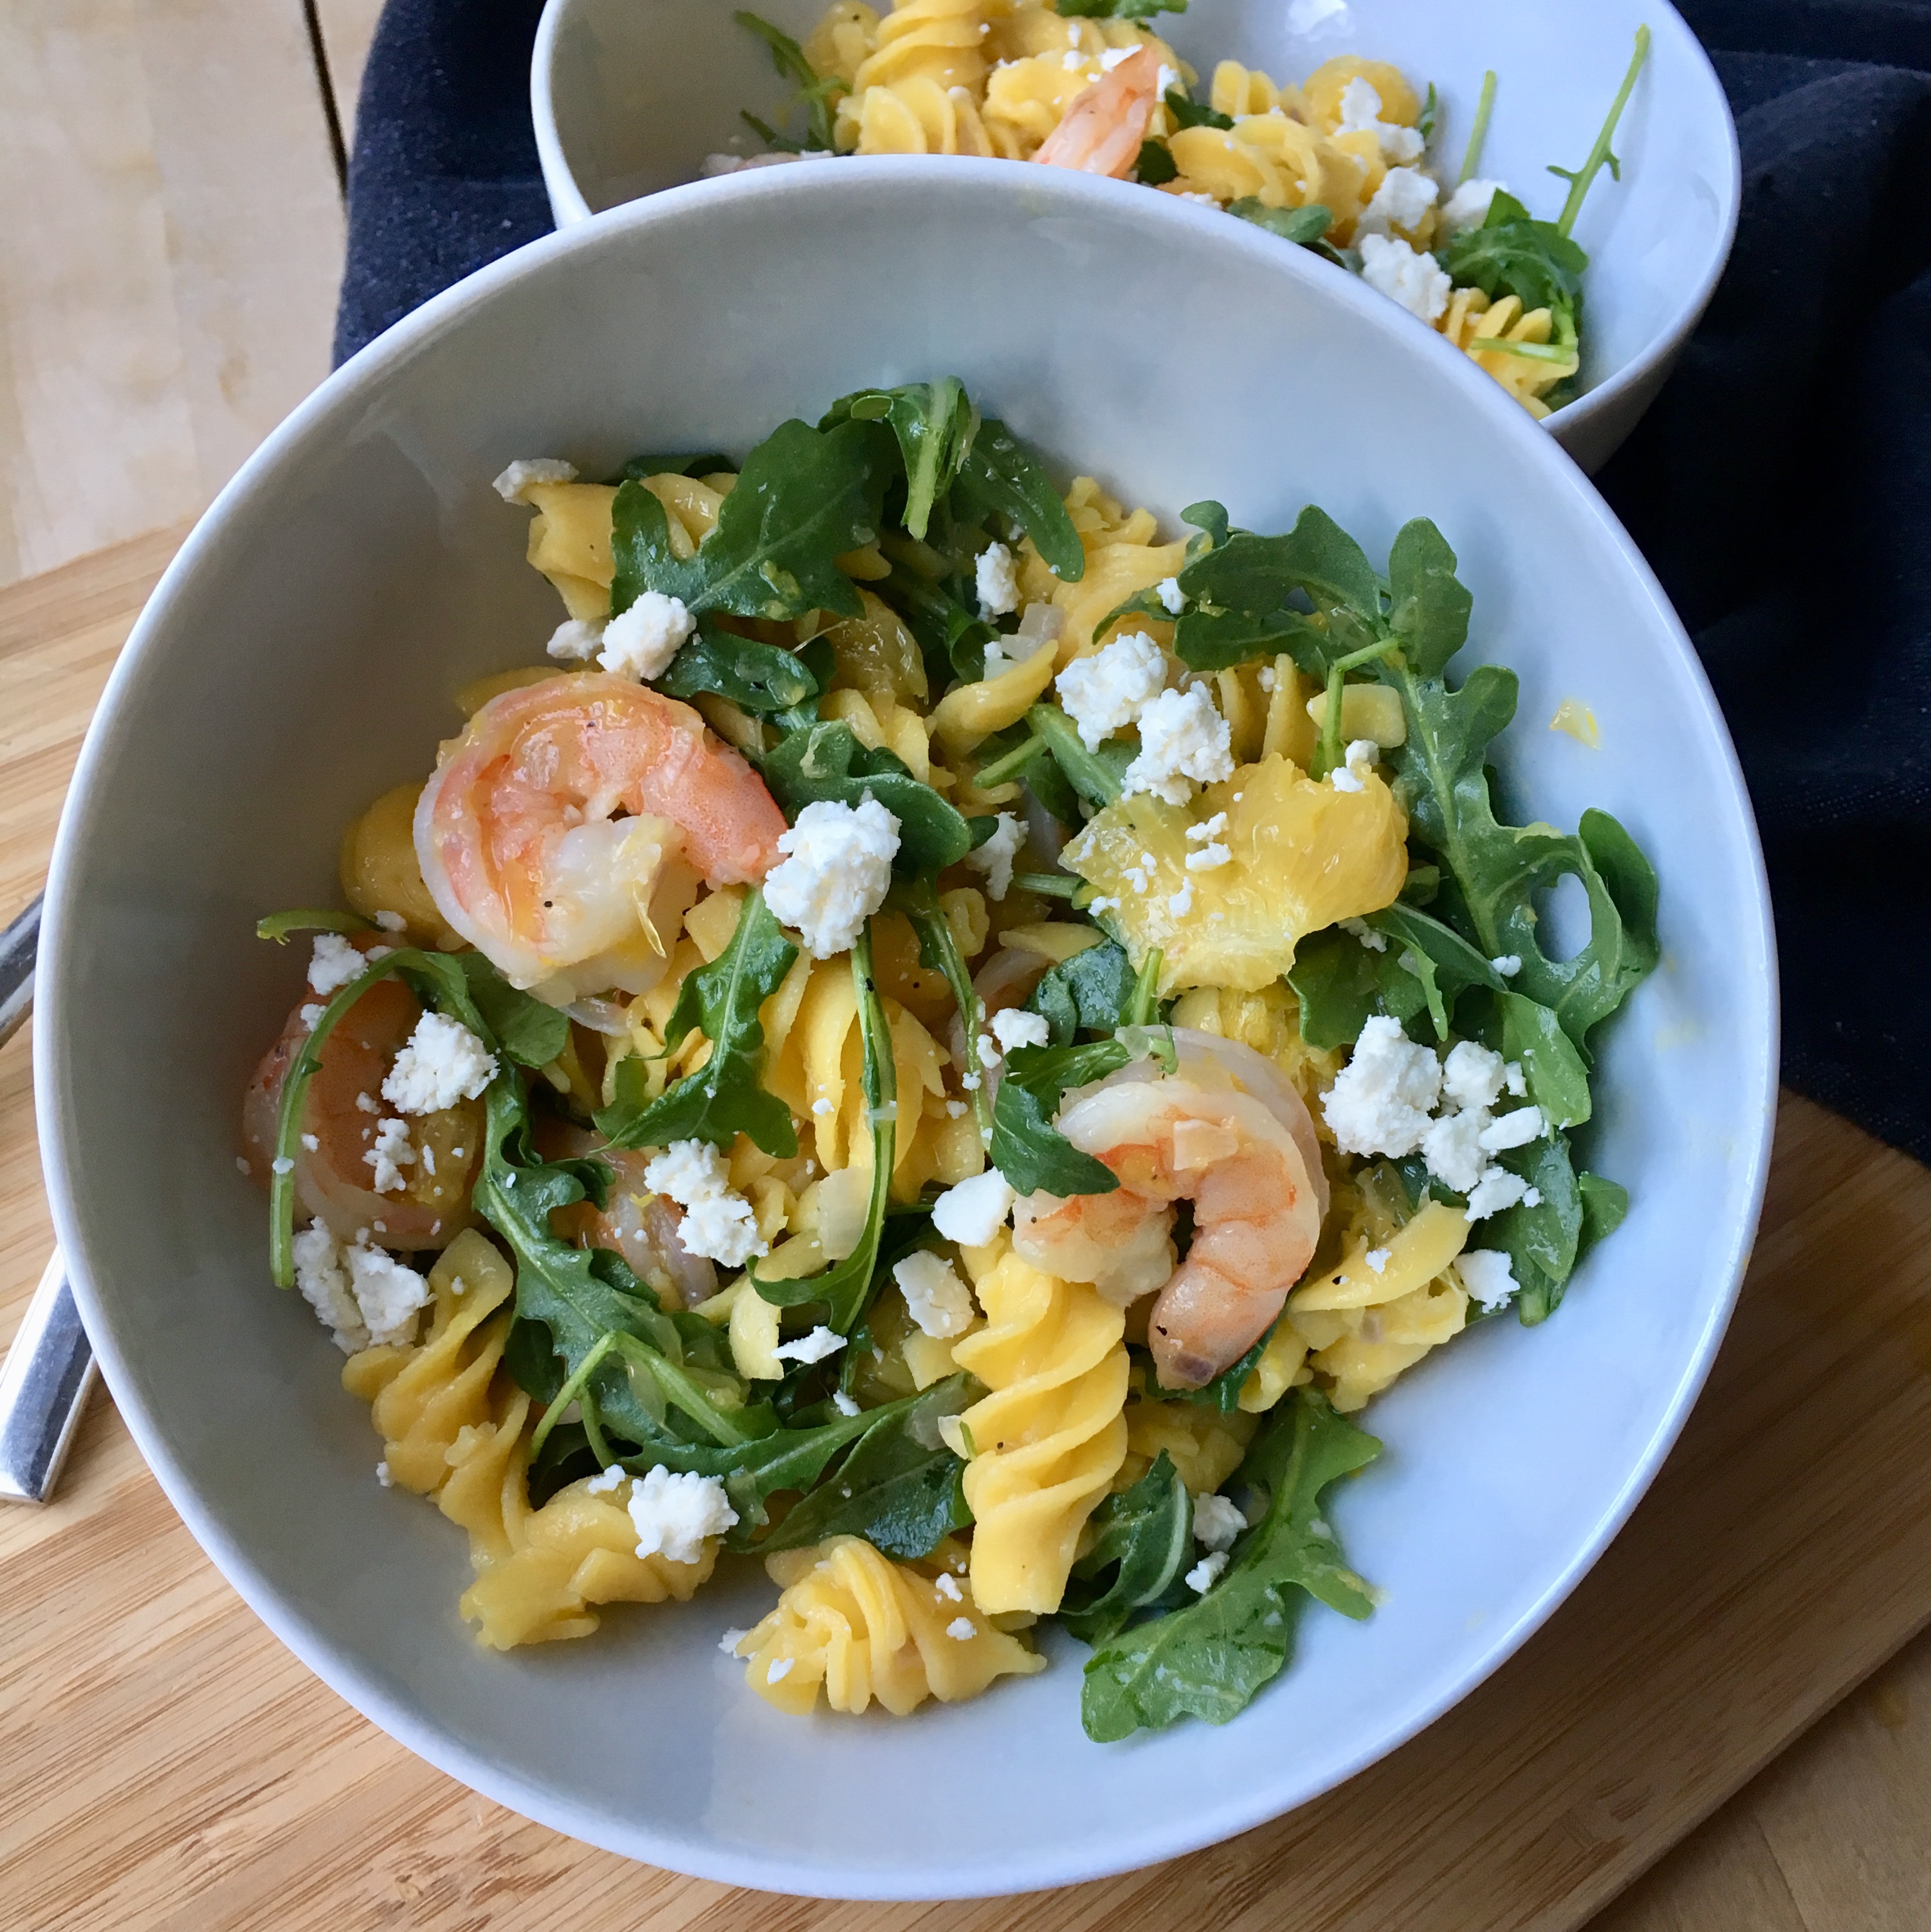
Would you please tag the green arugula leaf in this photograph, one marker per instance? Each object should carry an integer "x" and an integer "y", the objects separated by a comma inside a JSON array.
[
  {"x": 1117, "y": 9},
  {"x": 1523, "y": 1030},
  {"x": 1541, "y": 1242},
  {"x": 804, "y": 497},
  {"x": 759, "y": 678},
  {"x": 815, "y": 92},
  {"x": 706, "y": 462},
  {"x": 1423, "y": 967},
  {"x": 953, "y": 639},
  {"x": 936, "y": 424},
  {"x": 1000, "y": 477},
  {"x": 1208, "y": 1659},
  {"x": 1192, "y": 113},
  {"x": 1604, "y": 1204},
  {"x": 1092, "y": 990},
  {"x": 282, "y": 926},
  {"x": 1305, "y": 226},
  {"x": 530, "y": 1033},
  {"x": 1156, "y": 164},
  {"x": 827, "y": 761},
  {"x": 938, "y": 949},
  {"x": 1096, "y": 776},
  {"x": 1145, "y": 1536},
  {"x": 1511, "y": 253},
  {"x": 898, "y": 1489},
  {"x": 1027, "y": 1148},
  {"x": 725, "y": 1097},
  {"x": 1430, "y": 609}
]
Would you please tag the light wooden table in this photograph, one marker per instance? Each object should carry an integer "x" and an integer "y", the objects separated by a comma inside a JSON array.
[{"x": 169, "y": 216}]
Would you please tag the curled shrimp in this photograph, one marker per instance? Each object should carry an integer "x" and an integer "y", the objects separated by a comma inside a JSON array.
[
  {"x": 335, "y": 1178},
  {"x": 636, "y": 1223},
  {"x": 1227, "y": 1131},
  {"x": 522, "y": 848},
  {"x": 1101, "y": 131}
]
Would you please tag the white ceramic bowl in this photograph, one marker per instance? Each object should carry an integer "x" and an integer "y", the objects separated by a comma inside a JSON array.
[
  {"x": 298, "y": 658},
  {"x": 629, "y": 96}
]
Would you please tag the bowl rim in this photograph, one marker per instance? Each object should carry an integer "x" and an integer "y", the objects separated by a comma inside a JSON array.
[
  {"x": 340, "y": 398},
  {"x": 569, "y": 208}
]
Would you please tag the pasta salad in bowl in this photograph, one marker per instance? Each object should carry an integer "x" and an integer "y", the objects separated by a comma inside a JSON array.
[
  {"x": 976, "y": 1041},
  {"x": 1362, "y": 132}
]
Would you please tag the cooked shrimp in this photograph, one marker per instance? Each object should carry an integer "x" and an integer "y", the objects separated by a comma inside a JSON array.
[
  {"x": 1226, "y": 1131},
  {"x": 1101, "y": 132},
  {"x": 523, "y": 850},
  {"x": 640, "y": 1226},
  {"x": 334, "y": 1179}
]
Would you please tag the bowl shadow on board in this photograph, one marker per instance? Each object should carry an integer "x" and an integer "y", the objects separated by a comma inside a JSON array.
[
  {"x": 298, "y": 659},
  {"x": 629, "y": 96}
]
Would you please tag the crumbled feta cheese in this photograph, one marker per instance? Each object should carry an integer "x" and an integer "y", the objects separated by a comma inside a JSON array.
[
  {"x": 780, "y": 1669},
  {"x": 1417, "y": 281},
  {"x": 996, "y": 581},
  {"x": 1072, "y": 60},
  {"x": 443, "y": 1063},
  {"x": 641, "y": 642},
  {"x": 1106, "y": 692},
  {"x": 242, "y": 1164},
  {"x": 1496, "y": 1189},
  {"x": 1172, "y": 598},
  {"x": 955, "y": 1110},
  {"x": 1112, "y": 58},
  {"x": 731, "y": 1639},
  {"x": 1361, "y": 114},
  {"x": 1181, "y": 736},
  {"x": 1472, "y": 1076},
  {"x": 383, "y": 1475},
  {"x": 391, "y": 922},
  {"x": 843, "y": 1402},
  {"x": 947, "y": 1585},
  {"x": 815, "y": 1347},
  {"x": 1468, "y": 206},
  {"x": 990, "y": 1053},
  {"x": 1209, "y": 859},
  {"x": 718, "y": 1223},
  {"x": 962, "y": 1630},
  {"x": 975, "y": 1211},
  {"x": 1167, "y": 77},
  {"x": 1206, "y": 1573},
  {"x": 1015, "y": 1026},
  {"x": 1208, "y": 828},
  {"x": 311, "y": 1014},
  {"x": 1488, "y": 1276},
  {"x": 323, "y": 1282},
  {"x": 612, "y": 1478},
  {"x": 1102, "y": 903},
  {"x": 1375, "y": 942},
  {"x": 673, "y": 1512},
  {"x": 281, "y": 1164},
  {"x": 1376, "y": 1259},
  {"x": 1516, "y": 1080},
  {"x": 995, "y": 858},
  {"x": 576, "y": 640},
  {"x": 1404, "y": 196},
  {"x": 936, "y": 1299},
  {"x": 389, "y": 1292},
  {"x": 335, "y": 963},
  {"x": 311, "y": 1142},
  {"x": 1217, "y": 1522},
  {"x": 1269, "y": 677},
  {"x": 1380, "y": 1100},
  {"x": 513, "y": 485},
  {"x": 1181, "y": 903},
  {"x": 1515, "y": 1129},
  {"x": 1344, "y": 777},
  {"x": 1508, "y": 965},
  {"x": 1452, "y": 1149},
  {"x": 835, "y": 873},
  {"x": 366, "y": 1103},
  {"x": 390, "y": 1153}
]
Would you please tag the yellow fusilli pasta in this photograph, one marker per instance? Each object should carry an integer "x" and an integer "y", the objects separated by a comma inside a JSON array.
[
  {"x": 856, "y": 1626},
  {"x": 1472, "y": 319},
  {"x": 1204, "y": 1445}
]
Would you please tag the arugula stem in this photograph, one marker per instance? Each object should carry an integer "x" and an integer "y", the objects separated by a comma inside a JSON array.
[
  {"x": 1330, "y": 753},
  {"x": 1140, "y": 1009},
  {"x": 935, "y": 931},
  {"x": 281, "y": 926},
  {"x": 681, "y": 1392},
  {"x": 1581, "y": 178},
  {"x": 1009, "y": 766},
  {"x": 1049, "y": 885},
  {"x": 569, "y": 1392},
  {"x": 1471, "y": 158},
  {"x": 1536, "y": 351}
]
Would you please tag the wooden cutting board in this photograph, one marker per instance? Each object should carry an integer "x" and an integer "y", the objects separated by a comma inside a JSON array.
[{"x": 165, "y": 1764}]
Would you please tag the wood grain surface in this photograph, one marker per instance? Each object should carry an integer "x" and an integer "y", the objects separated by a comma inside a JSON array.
[{"x": 164, "y": 1764}]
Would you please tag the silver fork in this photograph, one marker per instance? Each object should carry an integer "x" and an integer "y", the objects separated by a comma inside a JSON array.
[{"x": 50, "y": 1370}]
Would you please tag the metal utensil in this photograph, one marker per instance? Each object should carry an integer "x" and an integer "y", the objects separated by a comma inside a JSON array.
[{"x": 50, "y": 1368}]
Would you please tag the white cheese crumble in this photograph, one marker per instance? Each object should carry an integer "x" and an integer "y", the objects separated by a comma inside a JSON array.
[
  {"x": 311, "y": 1014},
  {"x": 1380, "y": 1101},
  {"x": 975, "y": 1211},
  {"x": 443, "y": 1063},
  {"x": 1361, "y": 114},
  {"x": 673, "y": 1512},
  {"x": 1472, "y": 1076},
  {"x": 1488, "y": 1275},
  {"x": 1507, "y": 963},
  {"x": 1106, "y": 691},
  {"x": 843, "y": 1402},
  {"x": 1513, "y": 1130},
  {"x": 1015, "y": 1026},
  {"x": 1180, "y": 904},
  {"x": 1217, "y": 1522},
  {"x": 1206, "y": 1573},
  {"x": 1468, "y": 206},
  {"x": 1417, "y": 281},
  {"x": 780, "y": 1669},
  {"x": 576, "y": 640},
  {"x": 382, "y": 1475},
  {"x": 390, "y": 1155},
  {"x": 335, "y": 964},
  {"x": 836, "y": 872},
  {"x": 612, "y": 1478},
  {"x": 391, "y": 922},
  {"x": 936, "y": 1299},
  {"x": 731, "y": 1639},
  {"x": 311, "y": 1142},
  {"x": 718, "y": 1223},
  {"x": 366, "y": 1103},
  {"x": 1375, "y": 942},
  {"x": 947, "y": 1585},
  {"x": 1452, "y": 1149},
  {"x": 641, "y": 642},
  {"x": 962, "y": 1630},
  {"x": 995, "y": 858},
  {"x": 1181, "y": 737},
  {"x": 996, "y": 581},
  {"x": 281, "y": 1164},
  {"x": 388, "y": 1292},
  {"x": 1172, "y": 598},
  {"x": 1404, "y": 196},
  {"x": 815, "y": 1347},
  {"x": 513, "y": 485},
  {"x": 1207, "y": 829},
  {"x": 323, "y": 1282},
  {"x": 1376, "y": 1259},
  {"x": 1497, "y": 1188},
  {"x": 1209, "y": 859}
]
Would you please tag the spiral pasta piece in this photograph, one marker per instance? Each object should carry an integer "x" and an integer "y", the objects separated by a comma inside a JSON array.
[
  {"x": 570, "y": 534},
  {"x": 1471, "y": 320},
  {"x": 1049, "y": 1439},
  {"x": 856, "y": 1626},
  {"x": 1205, "y": 1446},
  {"x": 1122, "y": 560}
]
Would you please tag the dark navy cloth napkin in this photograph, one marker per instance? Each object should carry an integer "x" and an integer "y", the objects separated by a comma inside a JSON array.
[{"x": 1781, "y": 486}]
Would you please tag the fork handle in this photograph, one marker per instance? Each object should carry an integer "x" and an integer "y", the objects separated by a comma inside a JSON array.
[{"x": 43, "y": 1387}]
